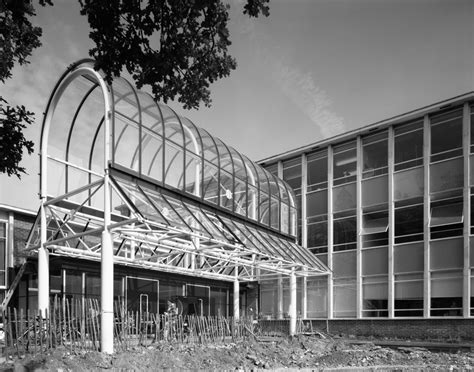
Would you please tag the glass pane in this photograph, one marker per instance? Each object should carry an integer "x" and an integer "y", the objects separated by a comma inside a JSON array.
[
  {"x": 407, "y": 148},
  {"x": 446, "y": 175},
  {"x": 375, "y": 157},
  {"x": 344, "y": 264},
  {"x": 317, "y": 170},
  {"x": 345, "y": 300},
  {"x": 408, "y": 184},
  {"x": 152, "y": 156},
  {"x": 409, "y": 220},
  {"x": 375, "y": 261},
  {"x": 376, "y": 222},
  {"x": 292, "y": 172},
  {"x": 375, "y": 191},
  {"x": 317, "y": 298},
  {"x": 408, "y": 258},
  {"x": 317, "y": 203},
  {"x": 174, "y": 165},
  {"x": 446, "y": 254},
  {"x": 446, "y": 131},
  {"x": 446, "y": 214},
  {"x": 345, "y": 165},
  {"x": 317, "y": 234},
  {"x": 446, "y": 284},
  {"x": 409, "y": 290},
  {"x": 345, "y": 230},
  {"x": 126, "y": 143},
  {"x": 344, "y": 197}
]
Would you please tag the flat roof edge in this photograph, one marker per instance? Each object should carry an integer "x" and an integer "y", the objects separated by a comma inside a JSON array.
[
  {"x": 377, "y": 125},
  {"x": 11, "y": 208}
]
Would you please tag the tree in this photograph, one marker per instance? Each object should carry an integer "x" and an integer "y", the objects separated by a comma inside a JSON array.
[{"x": 177, "y": 47}]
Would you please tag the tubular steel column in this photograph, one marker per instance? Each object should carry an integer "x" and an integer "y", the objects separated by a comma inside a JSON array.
[
  {"x": 292, "y": 303},
  {"x": 391, "y": 223},
  {"x": 304, "y": 231},
  {"x": 107, "y": 254},
  {"x": 467, "y": 212},
  {"x": 330, "y": 278},
  {"x": 236, "y": 295},
  {"x": 359, "y": 284},
  {"x": 43, "y": 265},
  {"x": 279, "y": 297},
  {"x": 426, "y": 217}
]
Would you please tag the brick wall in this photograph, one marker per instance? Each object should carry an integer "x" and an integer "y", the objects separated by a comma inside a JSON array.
[{"x": 424, "y": 329}]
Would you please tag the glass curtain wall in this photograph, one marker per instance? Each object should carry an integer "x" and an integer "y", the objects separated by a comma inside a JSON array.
[
  {"x": 408, "y": 183},
  {"x": 425, "y": 238}
]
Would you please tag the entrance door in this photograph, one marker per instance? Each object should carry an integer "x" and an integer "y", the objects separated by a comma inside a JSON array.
[
  {"x": 142, "y": 295},
  {"x": 202, "y": 294}
]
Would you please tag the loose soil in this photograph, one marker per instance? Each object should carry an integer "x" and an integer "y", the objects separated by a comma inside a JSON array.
[{"x": 299, "y": 353}]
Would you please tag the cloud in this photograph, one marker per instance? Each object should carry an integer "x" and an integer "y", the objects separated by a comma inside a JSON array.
[
  {"x": 297, "y": 85},
  {"x": 311, "y": 99}
]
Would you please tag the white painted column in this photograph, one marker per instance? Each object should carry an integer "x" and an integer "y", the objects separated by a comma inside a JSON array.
[
  {"x": 330, "y": 286},
  {"x": 426, "y": 217},
  {"x": 43, "y": 266},
  {"x": 107, "y": 294},
  {"x": 107, "y": 256},
  {"x": 359, "y": 284},
  {"x": 467, "y": 211},
  {"x": 236, "y": 295},
  {"x": 391, "y": 223},
  {"x": 280, "y": 297},
  {"x": 292, "y": 303}
]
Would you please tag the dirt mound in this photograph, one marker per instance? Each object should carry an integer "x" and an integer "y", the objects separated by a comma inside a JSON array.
[{"x": 297, "y": 353}]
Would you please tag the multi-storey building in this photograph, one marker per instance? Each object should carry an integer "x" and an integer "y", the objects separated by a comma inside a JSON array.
[{"x": 389, "y": 208}]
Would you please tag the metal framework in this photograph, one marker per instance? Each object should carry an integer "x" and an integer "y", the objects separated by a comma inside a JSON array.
[{"x": 124, "y": 179}]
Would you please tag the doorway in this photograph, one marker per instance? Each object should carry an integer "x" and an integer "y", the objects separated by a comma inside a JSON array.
[{"x": 141, "y": 294}]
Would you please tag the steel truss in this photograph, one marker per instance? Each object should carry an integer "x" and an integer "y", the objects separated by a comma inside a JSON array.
[{"x": 154, "y": 229}]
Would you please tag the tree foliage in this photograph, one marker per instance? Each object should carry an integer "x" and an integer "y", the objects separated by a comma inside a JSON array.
[
  {"x": 12, "y": 140},
  {"x": 177, "y": 47}
]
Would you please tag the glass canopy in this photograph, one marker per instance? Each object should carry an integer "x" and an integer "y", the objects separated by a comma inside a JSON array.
[
  {"x": 173, "y": 197},
  {"x": 150, "y": 140}
]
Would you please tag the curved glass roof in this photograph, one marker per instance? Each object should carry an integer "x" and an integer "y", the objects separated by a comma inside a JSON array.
[{"x": 149, "y": 140}]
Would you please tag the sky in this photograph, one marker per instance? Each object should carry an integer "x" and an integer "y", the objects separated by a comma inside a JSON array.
[{"x": 311, "y": 70}]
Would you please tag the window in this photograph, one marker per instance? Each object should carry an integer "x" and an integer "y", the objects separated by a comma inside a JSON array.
[
  {"x": 345, "y": 163},
  {"x": 345, "y": 298},
  {"x": 318, "y": 236},
  {"x": 375, "y": 222},
  {"x": 3, "y": 248},
  {"x": 408, "y": 184},
  {"x": 272, "y": 168},
  {"x": 317, "y": 176},
  {"x": 375, "y": 295},
  {"x": 447, "y": 175},
  {"x": 375, "y": 191},
  {"x": 345, "y": 233},
  {"x": 317, "y": 204},
  {"x": 375, "y": 228},
  {"x": 446, "y": 218},
  {"x": 446, "y": 293},
  {"x": 446, "y": 214},
  {"x": 446, "y": 135},
  {"x": 292, "y": 172},
  {"x": 472, "y": 128},
  {"x": 344, "y": 197},
  {"x": 375, "y": 155},
  {"x": 409, "y": 224},
  {"x": 317, "y": 291},
  {"x": 409, "y": 145}
]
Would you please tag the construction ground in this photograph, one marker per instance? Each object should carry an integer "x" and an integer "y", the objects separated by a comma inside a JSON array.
[{"x": 304, "y": 352}]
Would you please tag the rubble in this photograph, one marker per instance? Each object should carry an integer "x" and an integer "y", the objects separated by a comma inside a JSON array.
[{"x": 304, "y": 352}]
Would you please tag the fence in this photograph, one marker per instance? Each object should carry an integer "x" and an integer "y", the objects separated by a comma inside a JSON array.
[{"x": 75, "y": 325}]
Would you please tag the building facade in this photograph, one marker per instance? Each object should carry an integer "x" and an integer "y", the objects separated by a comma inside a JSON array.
[
  {"x": 139, "y": 206},
  {"x": 388, "y": 208}
]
